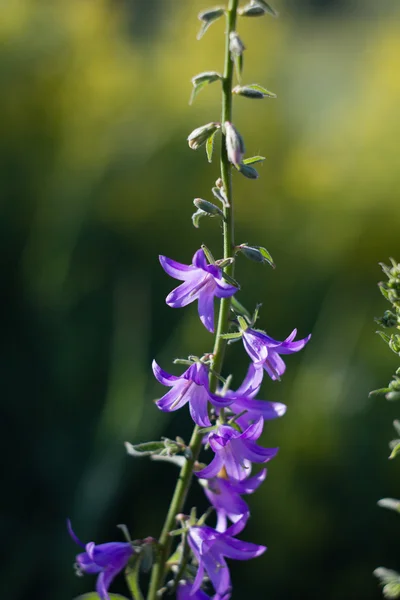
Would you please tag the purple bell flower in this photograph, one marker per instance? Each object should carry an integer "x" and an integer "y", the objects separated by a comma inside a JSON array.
[
  {"x": 225, "y": 497},
  {"x": 202, "y": 282},
  {"x": 210, "y": 548},
  {"x": 242, "y": 400},
  {"x": 265, "y": 352},
  {"x": 106, "y": 560},
  {"x": 192, "y": 387},
  {"x": 236, "y": 451}
]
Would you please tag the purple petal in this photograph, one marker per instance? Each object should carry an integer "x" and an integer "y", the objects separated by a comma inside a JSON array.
[
  {"x": 238, "y": 525},
  {"x": 218, "y": 572},
  {"x": 206, "y": 309},
  {"x": 256, "y": 408},
  {"x": 234, "y": 463},
  {"x": 162, "y": 376},
  {"x": 220, "y": 401},
  {"x": 87, "y": 565},
  {"x": 221, "y": 521},
  {"x": 224, "y": 289},
  {"x": 184, "y": 294},
  {"x": 248, "y": 486},
  {"x": 199, "y": 259},
  {"x": 253, "y": 431},
  {"x": 274, "y": 365},
  {"x": 73, "y": 534},
  {"x": 239, "y": 550},
  {"x": 175, "y": 269},
  {"x": 251, "y": 383},
  {"x": 254, "y": 346},
  {"x": 212, "y": 469},
  {"x": 103, "y": 583},
  {"x": 258, "y": 454},
  {"x": 176, "y": 397},
  {"x": 289, "y": 347},
  {"x": 198, "y": 406}
]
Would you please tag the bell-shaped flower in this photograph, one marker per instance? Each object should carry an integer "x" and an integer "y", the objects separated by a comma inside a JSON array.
[
  {"x": 106, "y": 560},
  {"x": 202, "y": 282},
  {"x": 192, "y": 387},
  {"x": 236, "y": 451},
  {"x": 210, "y": 548},
  {"x": 265, "y": 351},
  {"x": 243, "y": 400},
  {"x": 225, "y": 496}
]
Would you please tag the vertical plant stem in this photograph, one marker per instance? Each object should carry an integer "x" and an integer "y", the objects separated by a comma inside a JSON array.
[{"x": 185, "y": 476}]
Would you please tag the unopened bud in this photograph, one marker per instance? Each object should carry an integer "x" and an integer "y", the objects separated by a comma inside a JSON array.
[
  {"x": 208, "y": 17},
  {"x": 236, "y": 45},
  {"x": 199, "y": 136},
  {"x": 234, "y": 144},
  {"x": 267, "y": 7},
  {"x": 253, "y": 91},
  {"x": 389, "y": 319},
  {"x": 393, "y": 396},
  {"x": 206, "y": 77},
  {"x": 211, "y": 14},
  {"x": 207, "y": 207},
  {"x": 252, "y": 10},
  {"x": 389, "y": 503},
  {"x": 219, "y": 183},
  {"x": 248, "y": 171},
  {"x": 219, "y": 194},
  {"x": 256, "y": 254}
]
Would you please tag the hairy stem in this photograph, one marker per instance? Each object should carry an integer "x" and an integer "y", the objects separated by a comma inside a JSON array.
[{"x": 185, "y": 476}]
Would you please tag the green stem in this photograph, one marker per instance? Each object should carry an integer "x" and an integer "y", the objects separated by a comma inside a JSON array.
[{"x": 185, "y": 476}]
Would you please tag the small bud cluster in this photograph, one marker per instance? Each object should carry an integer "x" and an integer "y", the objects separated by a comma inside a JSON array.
[{"x": 390, "y": 289}]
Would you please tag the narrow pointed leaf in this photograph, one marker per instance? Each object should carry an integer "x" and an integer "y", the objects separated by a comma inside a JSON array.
[
  {"x": 239, "y": 308},
  {"x": 132, "y": 578},
  {"x": 210, "y": 146},
  {"x": 253, "y": 159},
  {"x": 196, "y": 216},
  {"x": 145, "y": 449},
  {"x": 231, "y": 336},
  {"x": 208, "y": 17},
  {"x": 395, "y": 451}
]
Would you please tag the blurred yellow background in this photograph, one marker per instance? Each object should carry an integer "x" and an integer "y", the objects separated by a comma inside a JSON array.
[{"x": 96, "y": 180}]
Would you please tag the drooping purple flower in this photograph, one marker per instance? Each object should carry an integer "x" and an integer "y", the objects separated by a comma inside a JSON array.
[
  {"x": 192, "y": 387},
  {"x": 185, "y": 592},
  {"x": 242, "y": 400},
  {"x": 106, "y": 560},
  {"x": 225, "y": 497},
  {"x": 202, "y": 282},
  {"x": 210, "y": 548},
  {"x": 265, "y": 351},
  {"x": 236, "y": 451}
]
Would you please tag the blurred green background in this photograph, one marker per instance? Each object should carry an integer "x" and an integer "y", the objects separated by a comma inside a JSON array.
[{"x": 96, "y": 179}]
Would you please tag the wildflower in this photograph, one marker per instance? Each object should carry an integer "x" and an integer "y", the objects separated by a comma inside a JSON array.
[
  {"x": 192, "y": 387},
  {"x": 236, "y": 451},
  {"x": 242, "y": 400},
  {"x": 202, "y": 282},
  {"x": 225, "y": 496},
  {"x": 210, "y": 548},
  {"x": 105, "y": 559},
  {"x": 265, "y": 351}
]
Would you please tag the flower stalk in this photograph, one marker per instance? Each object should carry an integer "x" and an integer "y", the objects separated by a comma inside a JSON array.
[{"x": 186, "y": 473}]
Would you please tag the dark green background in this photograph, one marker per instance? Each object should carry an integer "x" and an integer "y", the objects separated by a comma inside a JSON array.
[{"x": 96, "y": 180}]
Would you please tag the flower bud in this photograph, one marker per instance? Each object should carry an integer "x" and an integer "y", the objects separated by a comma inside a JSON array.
[
  {"x": 207, "y": 207},
  {"x": 208, "y": 17},
  {"x": 253, "y": 91},
  {"x": 236, "y": 45},
  {"x": 206, "y": 77},
  {"x": 256, "y": 254},
  {"x": 248, "y": 171},
  {"x": 393, "y": 396},
  {"x": 234, "y": 144},
  {"x": 267, "y": 7},
  {"x": 252, "y": 10},
  {"x": 199, "y": 136}
]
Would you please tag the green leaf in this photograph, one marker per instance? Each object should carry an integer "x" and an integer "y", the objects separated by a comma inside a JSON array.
[
  {"x": 210, "y": 146},
  {"x": 267, "y": 7},
  {"x": 132, "y": 577},
  {"x": 380, "y": 392},
  {"x": 201, "y": 80},
  {"x": 395, "y": 450},
  {"x": 259, "y": 88},
  {"x": 267, "y": 257},
  {"x": 230, "y": 280},
  {"x": 145, "y": 449},
  {"x": 231, "y": 336},
  {"x": 208, "y": 254},
  {"x": 238, "y": 60},
  {"x": 196, "y": 216},
  {"x": 253, "y": 159},
  {"x": 196, "y": 89},
  {"x": 384, "y": 336}
]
